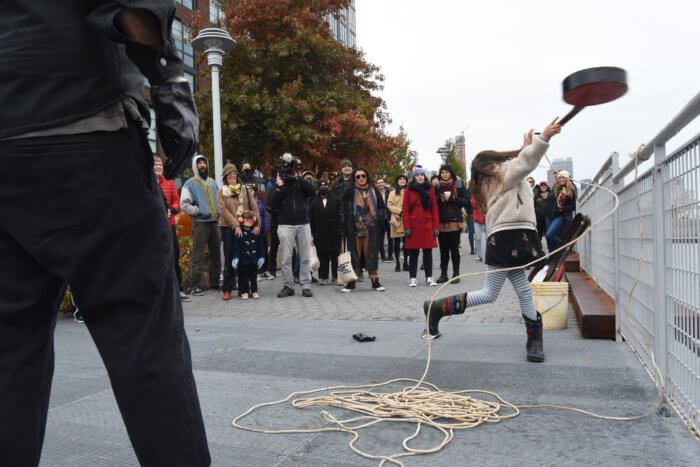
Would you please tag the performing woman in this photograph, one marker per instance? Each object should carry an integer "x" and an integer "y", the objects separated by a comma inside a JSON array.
[{"x": 501, "y": 192}]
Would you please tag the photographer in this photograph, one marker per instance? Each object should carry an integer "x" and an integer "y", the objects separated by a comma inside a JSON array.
[{"x": 289, "y": 201}]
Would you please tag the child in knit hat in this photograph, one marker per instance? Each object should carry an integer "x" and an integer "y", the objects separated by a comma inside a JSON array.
[{"x": 248, "y": 255}]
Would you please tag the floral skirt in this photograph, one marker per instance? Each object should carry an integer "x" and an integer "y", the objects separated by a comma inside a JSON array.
[{"x": 510, "y": 248}]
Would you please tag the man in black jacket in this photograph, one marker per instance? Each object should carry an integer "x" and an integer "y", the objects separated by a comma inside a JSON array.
[
  {"x": 72, "y": 90},
  {"x": 325, "y": 218},
  {"x": 289, "y": 200}
]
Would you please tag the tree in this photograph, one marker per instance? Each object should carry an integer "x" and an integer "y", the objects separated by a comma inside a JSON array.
[
  {"x": 401, "y": 161},
  {"x": 288, "y": 86},
  {"x": 454, "y": 161}
]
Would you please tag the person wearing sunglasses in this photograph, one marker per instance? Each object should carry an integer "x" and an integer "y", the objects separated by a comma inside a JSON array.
[{"x": 362, "y": 213}]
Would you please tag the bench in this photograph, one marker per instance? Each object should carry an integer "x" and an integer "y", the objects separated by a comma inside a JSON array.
[{"x": 594, "y": 309}]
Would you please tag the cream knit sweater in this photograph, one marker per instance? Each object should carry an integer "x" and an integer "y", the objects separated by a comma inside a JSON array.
[{"x": 510, "y": 202}]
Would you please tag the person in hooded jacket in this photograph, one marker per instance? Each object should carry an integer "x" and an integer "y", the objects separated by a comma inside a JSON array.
[
  {"x": 325, "y": 221},
  {"x": 452, "y": 197},
  {"x": 395, "y": 206},
  {"x": 198, "y": 199},
  {"x": 421, "y": 224},
  {"x": 560, "y": 208}
]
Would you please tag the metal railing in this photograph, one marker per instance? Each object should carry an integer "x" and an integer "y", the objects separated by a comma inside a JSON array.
[{"x": 666, "y": 301}]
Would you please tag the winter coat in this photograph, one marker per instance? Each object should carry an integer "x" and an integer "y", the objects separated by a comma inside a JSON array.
[
  {"x": 193, "y": 199},
  {"x": 340, "y": 186},
  {"x": 347, "y": 209},
  {"x": 231, "y": 205},
  {"x": 567, "y": 208},
  {"x": 170, "y": 192},
  {"x": 509, "y": 201},
  {"x": 264, "y": 221},
  {"x": 421, "y": 222},
  {"x": 325, "y": 222},
  {"x": 479, "y": 218},
  {"x": 395, "y": 206},
  {"x": 289, "y": 201},
  {"x": 541, "y": 203},
  {"x": 385, "y": 198},
  {"x": 451, "y": 210},
  {"x": 248, "y": 248}
]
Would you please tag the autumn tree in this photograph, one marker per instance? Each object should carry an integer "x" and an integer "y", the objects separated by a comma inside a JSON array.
[
  {"x": 288, "y": 86},
  {"x": 401, "y": 161}
]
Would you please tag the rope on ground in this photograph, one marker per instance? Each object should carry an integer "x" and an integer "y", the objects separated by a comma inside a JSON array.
[{"x": 423, "y": 403}]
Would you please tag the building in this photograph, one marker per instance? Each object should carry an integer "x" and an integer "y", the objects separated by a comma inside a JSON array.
[
  {"x": 560, "y": 164},
  {"x": 343, "y": 28},
  {"x": 461, "y": 150}
]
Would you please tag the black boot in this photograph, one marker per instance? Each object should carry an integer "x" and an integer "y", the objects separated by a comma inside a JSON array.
[
  {"x": 473, "y": 252},
  {"x": 443, "y": 278},
  {"x": 534, "y": 347},
  {"x": 405, "y": 264},
  {"x": 455, "y": 273},
  {"x": 453, "y": 305},
  {"x": 398, "y": 267}
]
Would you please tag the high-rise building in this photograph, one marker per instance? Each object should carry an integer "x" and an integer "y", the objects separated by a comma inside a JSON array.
[
  {"x": 343, "y": 27},
  {"x": 560, "y": 164},
  {"x": 461, "y": 150}
]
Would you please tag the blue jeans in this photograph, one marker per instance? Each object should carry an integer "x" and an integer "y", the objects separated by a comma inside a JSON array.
[
  {"x": 470, "y": 229},
  {"x": 554, "y": 227},
  {"x": 479, "y": 231}
]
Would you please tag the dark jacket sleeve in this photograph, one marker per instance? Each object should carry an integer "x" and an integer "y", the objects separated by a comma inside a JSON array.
[
  {"x": 462, "y": 199},
  {"x": 381, "y": 206},
  {"x": 236, "y": 250},
  {"x": 278, "y": 196},
  {"x": 156, "y": 65},
  {"x": 342, "y": 215}
]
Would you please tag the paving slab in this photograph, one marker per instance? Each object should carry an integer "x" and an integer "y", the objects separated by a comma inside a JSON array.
[{"x": 242, "y": 361}]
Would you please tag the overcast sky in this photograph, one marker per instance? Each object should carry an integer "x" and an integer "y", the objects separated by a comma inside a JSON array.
[{"x": 497, "y": 66}]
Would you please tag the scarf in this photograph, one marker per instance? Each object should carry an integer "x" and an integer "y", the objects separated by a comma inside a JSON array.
[
  {"x": 209, "y": 196},
  {"x": 424, "y": 196},
  {"x": 449, "y": 186},
  {"x": 235, "y": 189},
  {"x": 365, "y": 210}
]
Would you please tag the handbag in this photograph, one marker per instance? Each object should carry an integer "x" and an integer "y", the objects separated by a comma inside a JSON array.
[
  {"x": 346, "y": 273},
  {"x": 314, "y": 262}
]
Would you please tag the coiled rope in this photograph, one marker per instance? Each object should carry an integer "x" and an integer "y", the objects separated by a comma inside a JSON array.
[{"x": 422, "y": 403}]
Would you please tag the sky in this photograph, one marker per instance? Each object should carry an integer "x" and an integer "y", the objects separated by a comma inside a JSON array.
[{"x": 495, "y": 69}]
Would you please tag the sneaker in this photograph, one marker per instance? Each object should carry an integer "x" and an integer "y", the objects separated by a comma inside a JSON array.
[
  {"x": 377, "y": 286},
  {"x": 430, "y": 282},
  {"x": 244, "y": 296},
  {"x": 413, "y": 283},
  {"x": 479, "y": 259},
  {"x": 324, "y": 282},
  {"x": 285, "y": 292},
  {"x": 184, "y": 297},
  {"x": 197, "y": 292},
  {"x": 271, "y": 277},
  {"x": 266, "y": 275},
  {"x": 256, "y": 295},
  {"x": 227, "y": 296},
  {"x": 349, "y": 287},
  {"x": 296, "y": 280},
  {"x": 78, "y": 316},
  {"x": 307, "y": 293}
]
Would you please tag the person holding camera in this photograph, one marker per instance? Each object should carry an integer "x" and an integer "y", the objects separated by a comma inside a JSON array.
[{"x": 289, "y": 201}]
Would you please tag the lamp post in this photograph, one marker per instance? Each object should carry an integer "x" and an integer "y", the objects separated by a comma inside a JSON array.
[
  {"x": 214, "y": 43},
  {"x": 443, "y": 151}
]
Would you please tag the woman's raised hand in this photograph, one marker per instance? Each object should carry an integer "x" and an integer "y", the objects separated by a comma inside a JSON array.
[
  {"x": 527, "y": 138},
  {"x": 552, "y": 129}
]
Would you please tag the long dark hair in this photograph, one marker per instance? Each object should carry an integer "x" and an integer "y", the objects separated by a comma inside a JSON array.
[
  {"x": 399, "y": 188},
  {"x": 370, "y": 180},
  {"x": 485, "y": 169}
]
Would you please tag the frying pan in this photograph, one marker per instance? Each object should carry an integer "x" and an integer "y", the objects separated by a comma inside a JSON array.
[{"x": 593, "y": 86}]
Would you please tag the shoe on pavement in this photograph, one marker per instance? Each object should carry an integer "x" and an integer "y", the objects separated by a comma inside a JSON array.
[
  {"x": 442, "y": 279},
  {"x": 349, "y": 287},
  {"x": 197, "y": 292},
  {"x": 227, "y": 296},
  {"x": 325, "y": 282},
  {"x": 413, "y": 282},
  {"x": 455, "y": 279},
  {"x": 271, "y": 277},
  {"x": 285, "y": 292},
  {"x": 377, "y": 286},
  {"x": 397, "y": 268},
  {"x": 479, "y": 259},
  {"x": 307, "y": 293},
  {"x": 184, "y": 297},
  {"x": 256, "y": 295},
  {"x": 244, "y": 296},
  {"x": 296, "y": 280},
  {"x": 430, "y": 282}
]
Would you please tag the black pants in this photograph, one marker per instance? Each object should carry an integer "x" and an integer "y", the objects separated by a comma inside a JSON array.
[
  {"x": 248, "y": 278},
  {"x": 398, "y": 243},
  {"x": 384, "y": 231},
  {"x": 176, "y": 253},
  {"x": 427, "y": 262},
  {"x": 101, "y": 226},
  {"x": 274, "y": 248},
  {"x": 449, "y": 246},
  {"x": 228, "y": 235},
  {"x": 541, "y": 227},
  {"x": 324, "y": 258}
]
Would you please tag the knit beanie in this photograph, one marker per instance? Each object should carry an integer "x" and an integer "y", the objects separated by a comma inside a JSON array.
[
  {"x": 417, "y": 170},
  {"x": 229, "y": 168},
  {"x": 345, "y": 162}
]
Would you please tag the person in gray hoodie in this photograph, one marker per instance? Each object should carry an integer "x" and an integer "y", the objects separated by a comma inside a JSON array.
[{"x": 198, "y": 199}]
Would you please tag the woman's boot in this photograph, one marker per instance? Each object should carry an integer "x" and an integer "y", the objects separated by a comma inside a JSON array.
[
  {"x": 447, "y": 306},
  {"x": 534, "y": 347}
]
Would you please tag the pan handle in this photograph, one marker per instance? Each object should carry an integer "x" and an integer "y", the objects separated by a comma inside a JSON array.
[{"x": 571, "y": 114}]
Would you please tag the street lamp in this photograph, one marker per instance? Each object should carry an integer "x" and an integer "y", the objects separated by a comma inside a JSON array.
[
  {"x": 214, "y": 43},
  {"x": 443, "y": 151}
]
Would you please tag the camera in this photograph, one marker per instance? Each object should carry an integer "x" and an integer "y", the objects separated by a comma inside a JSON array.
[{"x": 289, "y": 165}]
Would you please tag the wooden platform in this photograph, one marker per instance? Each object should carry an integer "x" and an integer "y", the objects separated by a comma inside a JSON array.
[{"x": 594, "y": 309}]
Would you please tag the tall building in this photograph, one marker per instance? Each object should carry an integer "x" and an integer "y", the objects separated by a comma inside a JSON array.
[
  {"x": 343, "y": 27},
  {"x": 560, "y": 164},
  {"x": 461, "y": 150}
]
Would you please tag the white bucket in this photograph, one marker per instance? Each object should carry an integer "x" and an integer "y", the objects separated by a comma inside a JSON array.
[{"x": 552, "y": 301}]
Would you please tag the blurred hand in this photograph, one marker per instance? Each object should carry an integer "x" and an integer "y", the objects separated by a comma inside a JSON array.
[
  {"x": 407, "y": 233},
  {"x": 552, "y": 129},
  {"x": 527, "y": 138},
  {"x": 238, "y": 231},
  {"x": 256, "y": 229},
  {"x": 234, "y": 263}
]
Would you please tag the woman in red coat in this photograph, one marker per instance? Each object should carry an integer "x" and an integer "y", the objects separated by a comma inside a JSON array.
[{"x": 421, "y": 222}]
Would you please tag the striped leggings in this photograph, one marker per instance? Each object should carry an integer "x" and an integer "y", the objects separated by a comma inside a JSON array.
[{"x": 494, "y": 283}]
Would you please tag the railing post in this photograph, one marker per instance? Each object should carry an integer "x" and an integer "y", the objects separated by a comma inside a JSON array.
[
  {"x": 615, "y": 187},
  {"x": 660, "y": 310}
]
